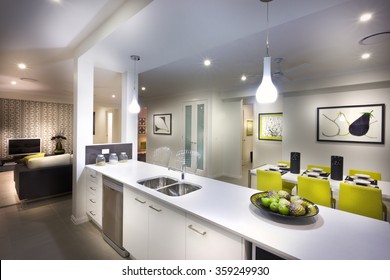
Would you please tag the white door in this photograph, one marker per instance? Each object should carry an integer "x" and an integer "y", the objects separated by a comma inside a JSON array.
[{"x": 195, "y": 129}]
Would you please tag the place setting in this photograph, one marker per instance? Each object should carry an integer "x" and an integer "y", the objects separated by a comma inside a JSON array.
[
  {"x": 281, "y": 167},
  {"x": 316, "y": 173},
  {"x": 362, "y": 180}
]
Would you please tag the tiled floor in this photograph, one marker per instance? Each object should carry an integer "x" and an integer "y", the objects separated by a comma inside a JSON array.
[
  {"x": 243, "y": 181},
  {"x": 8, "y": 194},
  {"x": 43, "y": 230}
]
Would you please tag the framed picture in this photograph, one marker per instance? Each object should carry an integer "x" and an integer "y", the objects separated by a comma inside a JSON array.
[
  {"x": 354, "y": 124},
  {"x": 249, "y": 127},
  {"x": 162, "y": 124},
  {"x": 271, "y": 126}
]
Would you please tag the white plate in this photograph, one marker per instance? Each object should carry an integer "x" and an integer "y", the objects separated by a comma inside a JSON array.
[
  {"x": 362, "y": 176},
  {"x": 362, "y": 182},
  {"x": 312, "y": 174},
  {"x": 316, "y": 169}
]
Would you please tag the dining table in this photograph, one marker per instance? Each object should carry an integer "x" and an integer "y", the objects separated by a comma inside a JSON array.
[{"x": 287, "y": 176}]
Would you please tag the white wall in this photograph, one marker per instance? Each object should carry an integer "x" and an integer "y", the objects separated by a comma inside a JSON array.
[
  {"x": 175, "y": 106},
  {"x": 100, "y": 136},
  {"x": 232, "y": 134},
  {"x": 247, "y": 140},
  {"x": 300, "y": 122},
  {"x": 265, "y": 151}
]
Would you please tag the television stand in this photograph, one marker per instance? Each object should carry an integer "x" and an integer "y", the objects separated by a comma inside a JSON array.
[{"x": 7, "y": 164}]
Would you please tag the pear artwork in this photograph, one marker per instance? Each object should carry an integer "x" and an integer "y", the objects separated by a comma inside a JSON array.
[{"x": 361, "y": 125}]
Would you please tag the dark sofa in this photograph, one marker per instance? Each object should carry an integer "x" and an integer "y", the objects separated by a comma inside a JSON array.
[{"x": 42, "y": 182}]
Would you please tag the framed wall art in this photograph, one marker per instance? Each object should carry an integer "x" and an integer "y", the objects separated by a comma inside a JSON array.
[
  {"x": 249, "y": 127},
  {"x": 162, "y": 124},
  {"x": 271, "y": 126},
  {"x": 354, "y": 124}
]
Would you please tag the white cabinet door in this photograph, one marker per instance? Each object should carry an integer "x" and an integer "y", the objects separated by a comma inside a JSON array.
[
  {"x": 205, "y": 241},
  {"x": 152, "y": 230},
  {"x": 166, "y": 232},
  {"x": 135, "y": 224},
  {"x": 94, "y": 196}
]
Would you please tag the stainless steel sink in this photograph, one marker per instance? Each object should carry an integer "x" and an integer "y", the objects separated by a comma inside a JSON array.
[
  {"x": 157, "y": 182},
  {"x": 179, "y": 189}
]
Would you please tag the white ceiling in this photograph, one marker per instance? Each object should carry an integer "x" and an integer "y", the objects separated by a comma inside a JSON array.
[{"x": 318, "y": 41}]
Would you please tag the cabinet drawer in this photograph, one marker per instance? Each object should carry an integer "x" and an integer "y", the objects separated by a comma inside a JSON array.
[
  {"x": 92, "y": 187},
  {"x": 92, "y": 176},
  {"x": 207, "y": 241}
]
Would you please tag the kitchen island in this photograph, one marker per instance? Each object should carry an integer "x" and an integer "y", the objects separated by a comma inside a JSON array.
[{"x": 332, "y": 234}]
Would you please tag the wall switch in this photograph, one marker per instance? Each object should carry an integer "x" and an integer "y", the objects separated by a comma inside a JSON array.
[{"x": 105, "y": 151}]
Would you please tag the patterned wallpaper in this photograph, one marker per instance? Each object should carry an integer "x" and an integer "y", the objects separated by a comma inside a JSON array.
[{"x": 30, "y": 119}]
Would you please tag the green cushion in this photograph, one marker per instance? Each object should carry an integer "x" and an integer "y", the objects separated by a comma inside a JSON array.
[{"x": 26, "y": 158}]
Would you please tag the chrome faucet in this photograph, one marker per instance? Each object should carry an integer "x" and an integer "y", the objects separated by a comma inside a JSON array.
[{"x": 182, "y": 170}]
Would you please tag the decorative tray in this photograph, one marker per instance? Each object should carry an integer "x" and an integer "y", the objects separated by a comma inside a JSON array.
[{"x": 311, "y": 209}]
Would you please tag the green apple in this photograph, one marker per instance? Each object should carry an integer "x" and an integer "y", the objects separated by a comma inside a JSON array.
[
  {"x": 283, "y": 209},
  {"x": 266, "y": 201},
  {"x": 274, "y": 206}
]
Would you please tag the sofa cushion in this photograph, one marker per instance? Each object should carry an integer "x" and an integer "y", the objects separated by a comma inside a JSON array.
[
  {"x": 49, "y": 161},
  {"x": 27, "y": 158}
]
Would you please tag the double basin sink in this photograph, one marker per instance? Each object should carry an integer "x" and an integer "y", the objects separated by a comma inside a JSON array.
[{"x": 169, "y": 186}]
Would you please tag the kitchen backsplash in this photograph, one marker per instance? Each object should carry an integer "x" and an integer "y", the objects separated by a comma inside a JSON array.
[{"x": 33, "y": 119}]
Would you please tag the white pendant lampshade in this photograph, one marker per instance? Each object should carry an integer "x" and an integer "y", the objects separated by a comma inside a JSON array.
[
  {"x": 134, "y": 107},
  {"x": 266, "y": 92}
]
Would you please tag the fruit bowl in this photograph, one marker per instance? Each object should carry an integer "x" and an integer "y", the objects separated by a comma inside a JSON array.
[{"x": 311, "y": 209}]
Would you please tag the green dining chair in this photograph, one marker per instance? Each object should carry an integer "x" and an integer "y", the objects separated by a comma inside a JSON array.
[
  {"x": 269, "y": 180},
  {"x": 362, "y": 200},
  {"x": 287, "y": 186},
  {"x": 372, "y": 174},
  {"x": 316, "y": 190},
  {"x": 324, "y": 168}
]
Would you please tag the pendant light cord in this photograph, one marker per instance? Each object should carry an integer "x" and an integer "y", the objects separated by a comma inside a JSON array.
[
  {"x": 135, "y": 69},
  {"x": 267, "y": 31}
]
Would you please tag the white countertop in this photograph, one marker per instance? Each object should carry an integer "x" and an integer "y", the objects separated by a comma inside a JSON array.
[{"x": 332, "y": 234}]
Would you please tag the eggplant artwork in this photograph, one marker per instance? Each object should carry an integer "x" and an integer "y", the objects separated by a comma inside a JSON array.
[{"x": 361, "y": 125}]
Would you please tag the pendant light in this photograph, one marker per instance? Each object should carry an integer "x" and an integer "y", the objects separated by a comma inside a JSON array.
[
  {"x": 134, "y": 106},
  {"x": 266, "y": 92}
]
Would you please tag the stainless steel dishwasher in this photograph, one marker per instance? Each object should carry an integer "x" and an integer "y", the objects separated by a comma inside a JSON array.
[{"x": 113, "y": 215}]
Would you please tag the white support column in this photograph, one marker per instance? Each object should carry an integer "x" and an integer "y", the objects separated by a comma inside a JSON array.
[
  {"x": 129, "y": 120},
  {"x": 82, "y": 133}
]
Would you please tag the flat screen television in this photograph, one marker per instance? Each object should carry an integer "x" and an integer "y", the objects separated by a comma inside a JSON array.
[{"x": 24, "y": 146}]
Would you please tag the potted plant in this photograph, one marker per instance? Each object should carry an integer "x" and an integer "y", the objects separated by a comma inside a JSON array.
[{"x": 58, "y": 138}]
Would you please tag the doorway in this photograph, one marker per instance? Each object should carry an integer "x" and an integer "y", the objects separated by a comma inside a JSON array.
[{"x": 195, "y": 129}]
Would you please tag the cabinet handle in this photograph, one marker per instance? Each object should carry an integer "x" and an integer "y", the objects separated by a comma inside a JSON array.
[
  {"x": 93, "y": 201},
  {"x": 92, "y": 213},
  {"x": 140, "y": 201},
  {"x": 93, "y": 176},
  {"x": 197, "y": 231},
  {"x": 155, "y": 209},
  {"x": 94, "y": 189}
]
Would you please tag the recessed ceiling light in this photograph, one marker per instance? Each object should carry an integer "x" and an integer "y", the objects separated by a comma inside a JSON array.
[
  {"x": 13, "y": 83},
  {"x": 365, "y": 56},
  {"x": 113, "y": 96},
  {"x": 207, "y": 62},
  {"x": 22, "y": 66},
  {"x": 365, "y": 17},
  {"x": 243, "y": 78},
  {"x": 143, "y": 88}
]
